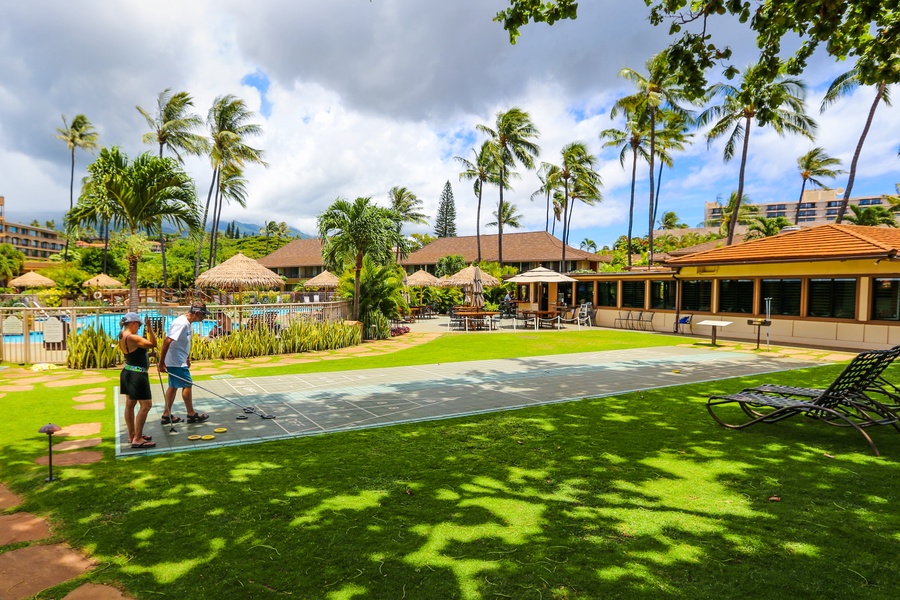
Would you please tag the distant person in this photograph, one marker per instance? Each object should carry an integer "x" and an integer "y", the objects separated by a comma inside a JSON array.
[
  {"x": 175, "y": 359},
  {"x": 134, "y": 381},
  {"x": 222, "y": 326}
]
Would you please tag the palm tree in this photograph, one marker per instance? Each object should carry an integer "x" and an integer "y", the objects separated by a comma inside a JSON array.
[
  {"x": 511, "y": 138},
  {"x": 94, "y": 193},
  {"x": 670, "y": 220},
  {"x": 658, "y": 90},
  {"x": 779, "y": 103},
  {"x": 760, "y": 226},
  {"x": 745, "y": 212},
  {"x": 79, "y": 134},
  {"x": 545, "y": 176},
  {"x": 228, "y": 126},
  {"x": 407, "y": 206},
  {"x": 844, "y": 85},
  {"x": 142, "y": 194},
  {"x": 630, "y": 139},
  {"x": 815, "y": 165},
  {"x": 508, "y": 217},
  {"x": 588, "y": 245},
  {"x": 270, "y": 229},
  {"x": 173, "y": 127},
  {"x": 232, "y": 187},
  {"x": 351, "y": 231},
  {"x": 872, "y": 216},
  {"x": 484, "y": 170},
  {"x": 578, "y": 180},
  {"x": 672, "y": 136}
]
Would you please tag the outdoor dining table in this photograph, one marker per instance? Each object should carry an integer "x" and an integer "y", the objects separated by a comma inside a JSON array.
[
  {"x": 479, "y": 315},
  {"x": 715, "y": 325}
]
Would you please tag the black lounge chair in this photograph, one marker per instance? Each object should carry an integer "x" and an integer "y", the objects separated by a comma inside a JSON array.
[{"x": 847, "y": 402}]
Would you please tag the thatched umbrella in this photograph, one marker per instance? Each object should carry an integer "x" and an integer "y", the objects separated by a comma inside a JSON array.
[
  {"x": 31, "y": 280},
  {"x": 238, "y": 273},
  {"x": 102, "y": 281},
  {"x": 324, "y": 280},
  {"x": 423, "y": 278},
  {"x": 466, "y": 278}
]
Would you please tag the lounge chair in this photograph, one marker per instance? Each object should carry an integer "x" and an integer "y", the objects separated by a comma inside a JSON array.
[{"x": 844, "y": 403}]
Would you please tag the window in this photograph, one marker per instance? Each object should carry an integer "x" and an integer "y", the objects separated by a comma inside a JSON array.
[
  {"x": 785, "y": 295},
  {"x": 633, "y": 294},
  {"x": 886, "y": 300},
  {"x": 564, "y": 293},
  {"x": 584, "y": 292},
  {"x": 662, "y": 294},
  {"x": 606, "y": 293},
  {"x": 833, "y": 203},
  {"x": 696, "y": 295},
  {"x": 833, "y": 298},
  {"x": 736, "y": 296}
]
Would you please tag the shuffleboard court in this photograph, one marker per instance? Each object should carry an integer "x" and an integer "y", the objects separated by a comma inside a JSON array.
[{"x": 317, "y": 403}]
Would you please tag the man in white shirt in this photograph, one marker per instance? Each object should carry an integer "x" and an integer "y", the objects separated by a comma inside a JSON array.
[{"x": 175, "y": 359}]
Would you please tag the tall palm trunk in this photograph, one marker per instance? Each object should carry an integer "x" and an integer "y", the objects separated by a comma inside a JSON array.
[
  {"x": 215, "y": 240},
  {"x": 499, "y": 220},
  {"x": 547, "y": 221},
  {"x": 658, "y": 186},
  {"x": 478, "y": 221},
  {"x": 105, "y": 228},
  {"x": 562, "y": 262},
  {"x": 631, "y": 205},
  {"x": 203, "y": 225},
  {"x": 214, "y": 228},
  {"x": 650, "y": 208},
  {"x": 800, "y": 201},
  {"x": 162, "y": 240},
  {"x": 71, "y": 196},
  {"x": 132, "y": 283},
  {"x": 878, "y": 96},
  {"x": 740, "y": 192},
  {"x": 357, "y": 277}
]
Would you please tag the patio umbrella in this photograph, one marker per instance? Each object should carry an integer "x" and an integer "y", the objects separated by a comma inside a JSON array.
[
  {"x": 478, "y": 290},
  {"x": 324, "y": 280},
  {"x": 238, "y": 273},
  {"x": 466, "y": 278},
  {"x": 423, "y": 278},
  {"x": 31, "y": 280},
  {"x": 541, "y": 275},
  {"x": 102, "y": 281}
]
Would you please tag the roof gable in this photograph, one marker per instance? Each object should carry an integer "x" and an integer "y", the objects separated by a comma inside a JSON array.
[
  {"x": 297, "y": 253},
  {"x": 534, "y": 246}
]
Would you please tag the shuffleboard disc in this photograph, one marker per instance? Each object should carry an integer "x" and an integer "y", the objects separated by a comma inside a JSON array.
[
  {"x": 220, "y": 430},
  {"x": 208, "y": 437},
  {"x": 194, "y": 437}
]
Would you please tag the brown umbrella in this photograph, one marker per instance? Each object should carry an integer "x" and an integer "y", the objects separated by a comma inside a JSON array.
[
  {"x": 478, "y": 290},
  {"x": 102, "y": 281},
  {"x": 466, "y": 278},
  {"x": 237, "y": 273},
  {"x": 324, "y": 280},
  {"x": 31, "y": 280}
]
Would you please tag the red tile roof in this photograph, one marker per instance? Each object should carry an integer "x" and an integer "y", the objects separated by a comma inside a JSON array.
[
  {"x": 298, "y": 253},
  {"x": 535, "y": 246},
  {"x": 825, "y": 242}
]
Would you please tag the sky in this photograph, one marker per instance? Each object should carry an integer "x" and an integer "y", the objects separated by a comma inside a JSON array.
[{"x": 357, "y": 96}]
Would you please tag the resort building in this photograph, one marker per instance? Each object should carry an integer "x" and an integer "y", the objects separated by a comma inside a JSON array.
[
  {"x": 298, "y": 261},
  {"x": 831, "y": 285},
  {"x": 521, "y": 250},
  {"x": 817, "y": 207},
  {"x": 34, "y": 242}
]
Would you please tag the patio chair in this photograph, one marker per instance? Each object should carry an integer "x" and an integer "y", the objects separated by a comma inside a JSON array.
[
  {"x": 844, "y": 403},
  {"x": 636, "y": 318},
  {"x": 685, "y": 321},
  {"x": 577, "y": 316},
  {"x": 623, "y": 320},
  {"x": 645, "y": 319}
]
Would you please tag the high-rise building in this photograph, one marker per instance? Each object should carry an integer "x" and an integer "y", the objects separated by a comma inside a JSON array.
[
  {"x": 817, "y": 207},
  {"x": 33, "y": 242}
]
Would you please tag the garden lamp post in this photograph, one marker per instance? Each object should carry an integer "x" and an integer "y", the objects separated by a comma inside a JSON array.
[{"x": 50, "y": 429}]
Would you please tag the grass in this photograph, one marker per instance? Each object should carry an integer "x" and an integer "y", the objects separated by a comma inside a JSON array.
[{"x": 636, "y": 496}]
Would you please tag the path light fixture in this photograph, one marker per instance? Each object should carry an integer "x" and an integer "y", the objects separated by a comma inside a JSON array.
[{"x": 50, "y": 429}]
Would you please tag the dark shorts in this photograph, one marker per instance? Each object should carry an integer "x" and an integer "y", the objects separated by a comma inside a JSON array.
[
  {"x": 135, "y": 385},
  {"x": 180, "y": 377}
]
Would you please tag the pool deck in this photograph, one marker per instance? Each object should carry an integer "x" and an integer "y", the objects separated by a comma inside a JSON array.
[{"x": 319, "y": 403}]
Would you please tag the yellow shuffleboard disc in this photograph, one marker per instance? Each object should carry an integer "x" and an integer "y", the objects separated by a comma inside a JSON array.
[
  {"x": 193, "y": 437},
  {"x": 208, "y": 437},
  {"x": 220, "y": 430}
]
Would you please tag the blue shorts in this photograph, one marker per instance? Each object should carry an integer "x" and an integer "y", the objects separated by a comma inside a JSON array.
[{"x": 180, "y": 377}]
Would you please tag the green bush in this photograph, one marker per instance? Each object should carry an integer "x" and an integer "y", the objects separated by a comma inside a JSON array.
[
  {"x": 376, "y": 326},
  {"x": 298, "y": 336},
  {"x": 92, "y": 348}
]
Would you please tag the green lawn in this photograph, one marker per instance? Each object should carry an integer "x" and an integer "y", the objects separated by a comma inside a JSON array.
[{"x": 635, "y": 496}]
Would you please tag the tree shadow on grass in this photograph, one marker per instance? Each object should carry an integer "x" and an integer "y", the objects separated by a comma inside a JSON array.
[{"x": 637, "y": 495}]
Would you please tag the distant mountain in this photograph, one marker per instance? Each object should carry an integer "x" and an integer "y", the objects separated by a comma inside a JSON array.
[{"x": 25, "y": 217}]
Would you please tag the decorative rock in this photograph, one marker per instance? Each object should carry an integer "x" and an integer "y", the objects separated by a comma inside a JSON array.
[
  {"x": 92, "y": 591},
  {"x": 72, "y": 458},
  {"x": 79, "y": 429},
  {"x": 22, "y": 527},
  {"x": 92, "y": 406},
  {"x": 76, "y": 444},
  {"x": 27, "y": 571},
  {"x": 7, "y": 498}
]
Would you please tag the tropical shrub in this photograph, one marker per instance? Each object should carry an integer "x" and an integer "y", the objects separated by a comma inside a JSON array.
[
  {"x": 298, "y": 336},
  {"x": 92, "y": 348},
  {"x": 380, "y": 288},
  {"x": 376, "y": 326}
]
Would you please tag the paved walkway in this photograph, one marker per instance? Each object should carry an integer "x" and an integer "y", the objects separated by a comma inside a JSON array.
[{"x": 317, "y": 403}]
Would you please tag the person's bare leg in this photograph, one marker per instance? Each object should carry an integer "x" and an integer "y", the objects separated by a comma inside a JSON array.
[
  {"x": 139, "y": 421},
  {"x": 170, "y": 400},
  {"x": 129, "y": 416},
  {"x": 187, "y": 394}
]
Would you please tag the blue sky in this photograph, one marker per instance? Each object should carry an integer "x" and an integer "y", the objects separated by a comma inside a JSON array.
[{"x": 355, "y": 97}]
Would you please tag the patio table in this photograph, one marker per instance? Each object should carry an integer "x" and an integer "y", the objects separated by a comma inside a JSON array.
[{"x": 715, "y": 325}]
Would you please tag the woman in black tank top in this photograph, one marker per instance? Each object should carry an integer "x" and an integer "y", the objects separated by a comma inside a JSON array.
[{"x": 134, "y": 381}]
